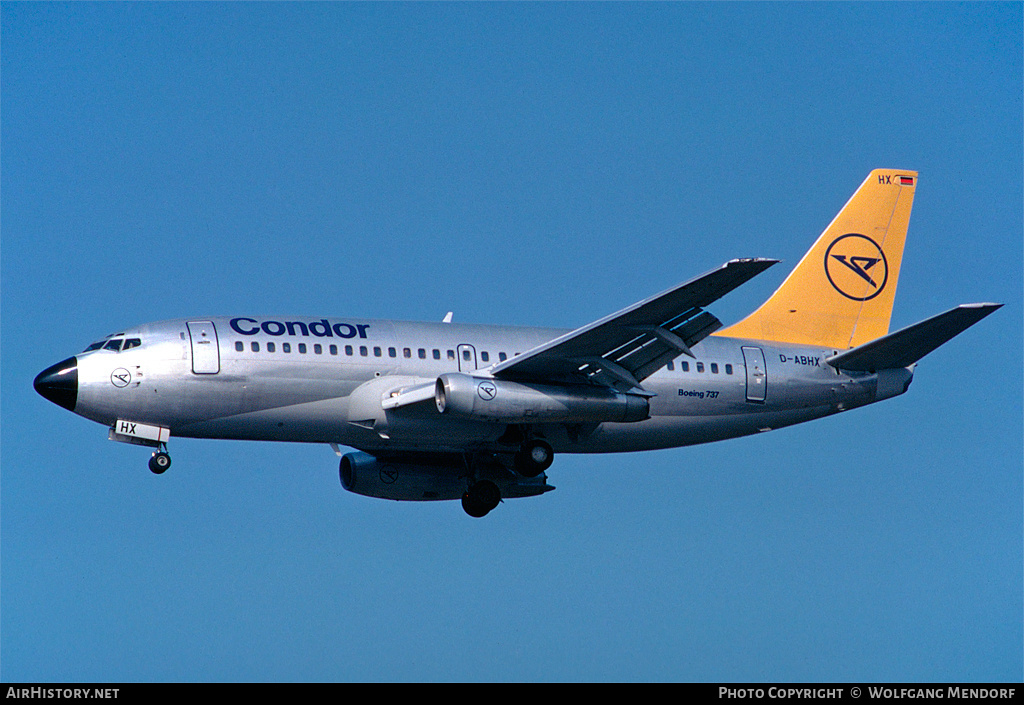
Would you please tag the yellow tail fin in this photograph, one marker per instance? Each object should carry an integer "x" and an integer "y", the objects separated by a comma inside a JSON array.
[{"x": 840, "y": 294}]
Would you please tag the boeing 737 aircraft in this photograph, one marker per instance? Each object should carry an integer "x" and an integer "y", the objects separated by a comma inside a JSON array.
[{"x": 448, "y": 411}]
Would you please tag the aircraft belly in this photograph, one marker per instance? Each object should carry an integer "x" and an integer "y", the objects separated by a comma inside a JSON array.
[{"x": 676, "y": 431}]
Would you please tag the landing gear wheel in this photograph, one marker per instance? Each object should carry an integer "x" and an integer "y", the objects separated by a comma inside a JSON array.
[
  {"x": 481, "y": 498},
  {"x": 159, "y": 462},
  {"x": 534, "y": 458}
]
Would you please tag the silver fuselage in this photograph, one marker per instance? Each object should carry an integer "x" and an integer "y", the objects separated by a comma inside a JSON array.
[{"x": 322, "y": 380}]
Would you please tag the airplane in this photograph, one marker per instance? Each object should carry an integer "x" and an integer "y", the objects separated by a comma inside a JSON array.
[{"x": 449, "y": 411}]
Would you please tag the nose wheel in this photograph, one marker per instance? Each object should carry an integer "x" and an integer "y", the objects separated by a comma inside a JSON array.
[{"x": 159, "y": 463}]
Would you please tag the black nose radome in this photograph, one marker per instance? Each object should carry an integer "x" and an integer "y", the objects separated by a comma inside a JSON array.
[{"x": 59, "y": 383}]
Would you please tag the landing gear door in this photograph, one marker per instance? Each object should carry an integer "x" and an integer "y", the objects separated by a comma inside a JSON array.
[
  {"x": 757, "y": 374},
  {"x": 205, "y": 350}
]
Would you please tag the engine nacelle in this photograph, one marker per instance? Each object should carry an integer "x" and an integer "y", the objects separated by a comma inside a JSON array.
[
  {"x": 501, "y": 401},
  {"x": 365, "y": 474},
  {"x": 369, "y": 476}
]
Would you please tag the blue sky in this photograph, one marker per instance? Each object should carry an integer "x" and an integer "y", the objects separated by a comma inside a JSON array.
[{"x": 514, "y": 163}]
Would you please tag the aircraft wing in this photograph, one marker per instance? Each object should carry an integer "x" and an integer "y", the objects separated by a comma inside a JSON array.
[{"x": 623, "y": 349}]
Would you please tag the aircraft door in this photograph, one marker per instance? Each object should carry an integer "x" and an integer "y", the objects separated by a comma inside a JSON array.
[
  {"x": 467, "y": 358},
  {"x": 757, "y": 374},
  {"x": 205, "y": 350}
]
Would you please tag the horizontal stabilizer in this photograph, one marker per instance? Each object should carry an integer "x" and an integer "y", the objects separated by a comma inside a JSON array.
[{"x": 905, "y": 347}]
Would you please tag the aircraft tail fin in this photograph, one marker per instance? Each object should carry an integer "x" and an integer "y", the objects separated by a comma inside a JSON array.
[
  {"x": 905, "y": 347},
  {"x": 841, "y": 293}
]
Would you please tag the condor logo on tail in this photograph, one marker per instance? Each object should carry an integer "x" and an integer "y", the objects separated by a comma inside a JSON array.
[{"x": 856, "y": 267}]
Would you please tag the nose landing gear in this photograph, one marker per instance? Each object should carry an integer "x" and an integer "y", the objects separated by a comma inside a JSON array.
[
  {"x": 141, "y": 434},
  {"x": 159, "y": 463}
]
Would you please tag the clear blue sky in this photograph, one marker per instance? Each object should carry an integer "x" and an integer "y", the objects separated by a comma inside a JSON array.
[{"x": 514, "y": 163}]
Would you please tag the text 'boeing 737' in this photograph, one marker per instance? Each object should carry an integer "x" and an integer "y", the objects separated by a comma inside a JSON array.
[{"x": 473, "y": 412}]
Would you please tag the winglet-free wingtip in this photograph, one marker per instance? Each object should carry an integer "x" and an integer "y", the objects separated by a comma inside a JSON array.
[{"x": 763, "y": 261}]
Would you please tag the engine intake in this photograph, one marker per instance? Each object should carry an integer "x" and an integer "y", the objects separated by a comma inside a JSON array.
[{"x": 501, "y": 401}]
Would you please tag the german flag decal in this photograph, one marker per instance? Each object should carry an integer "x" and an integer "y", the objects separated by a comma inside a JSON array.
[{"x": 906, "y": 181}]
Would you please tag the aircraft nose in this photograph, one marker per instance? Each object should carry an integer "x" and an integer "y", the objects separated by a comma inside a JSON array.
[{"x": 59, "y": 383}]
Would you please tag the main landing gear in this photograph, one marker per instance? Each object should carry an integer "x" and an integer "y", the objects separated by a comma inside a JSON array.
[
  {"x": 534, "y": 457},
  {"x": 481, "y": 497}
]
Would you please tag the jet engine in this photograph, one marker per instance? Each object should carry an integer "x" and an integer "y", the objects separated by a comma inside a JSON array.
[
  {"x": 501, "y": 401},
  {"x": 370, "y": 476},
  {"x": 367, "y": 475}
]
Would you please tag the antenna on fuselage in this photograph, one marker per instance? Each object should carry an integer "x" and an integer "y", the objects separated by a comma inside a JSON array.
[{"x": 447, "y": 318}]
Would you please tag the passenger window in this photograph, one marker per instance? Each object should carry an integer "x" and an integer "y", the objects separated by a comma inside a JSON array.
[
  {"x": 407, "y": 352},
  {"x": 302, "y": 348},
  {"x": 466, "y": 356},
  {"x": 700, "y": 366},
  {"x": 114, "y": 344},
  {"x": 392, "y": 352},
  {"x": 286, "y": 347},
  {"x": 502, "y": 357},
  {"x": 684, "y": 366},
  {"x": 239, "y": 345},
  {"x": 451, "y": 354},
  {"x": 255, "y": 346},
  {"x": 485, "y": 356},
  {"x": 348, "y": 350},
  {"x": 714, "y": 368},
  {"x": 333, "y": 349},
  {"x": 671, "y": 365},
  {"x": 271, "y": 347},
  {"x": 363, "y": 351},
  {"x": 422, "y": 353},
  {"x": 437, "y": 354},
  {"x": 317, "y": 349},
  {"x": 728, "y": 369},
  {"x": 376, "y": 351}
]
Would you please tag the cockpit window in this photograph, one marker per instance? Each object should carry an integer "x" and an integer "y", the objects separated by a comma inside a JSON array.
[{"x": 115, "y": 344}]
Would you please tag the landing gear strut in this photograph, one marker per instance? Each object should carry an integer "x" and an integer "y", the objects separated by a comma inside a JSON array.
[
  {"x": 159, "y": 463},
  {"x": 481, "y": 498},
  {"x": 534, "y": 457}
]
